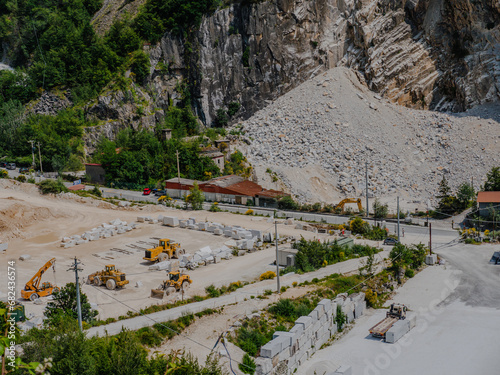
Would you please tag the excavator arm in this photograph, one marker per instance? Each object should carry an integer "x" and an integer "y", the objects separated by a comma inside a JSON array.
[
  {"x": 34, "y": 283},
  {"x": 349, "y": 200}
]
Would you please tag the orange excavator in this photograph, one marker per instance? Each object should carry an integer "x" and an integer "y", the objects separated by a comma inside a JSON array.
[
  {"x": 340, "y": 206},
  {"x": 33, "y": 290}
]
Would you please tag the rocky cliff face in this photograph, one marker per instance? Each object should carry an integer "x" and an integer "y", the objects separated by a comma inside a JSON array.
[
  {"x": 432, "y": 54},
  {"x": 419, "y": 53}
]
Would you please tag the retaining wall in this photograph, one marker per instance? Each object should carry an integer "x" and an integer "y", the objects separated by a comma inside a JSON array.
[{"x": 291, "y": 349}]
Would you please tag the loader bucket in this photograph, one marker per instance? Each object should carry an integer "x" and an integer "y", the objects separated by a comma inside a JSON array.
[{"x": 157, "y": 293}]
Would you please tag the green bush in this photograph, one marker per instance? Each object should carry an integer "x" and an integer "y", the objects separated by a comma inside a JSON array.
[
  {"x": 409, "y": 273},
  {"x": 248, "y": 365},
  {"x": 96, "y": 191},
  {"x": 287, "y": 203},
  {"x": 140, "y": 66},
  {"x": 4, "y": 174},
  {"x": 52, "y": 186},
  {"x": 149, "y": 337},
  {"x": 212, "y": 291},
  {"x": 21, "y": 178}
]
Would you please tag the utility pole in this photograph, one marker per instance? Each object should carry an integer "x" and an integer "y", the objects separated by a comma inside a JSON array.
[
  {"x": 430, "y": 238},
  {"x": 277, "y": 262},
  {"x": 178, "y": 170},
  {"x": 78, "y": 305},
  {"x": 32, "y": 152},
  {"x": 398, "y": 219},
  {"x": 366, "y": 183},
  {"x": 178, "y": 174},
  {"x": 40, "y": 157}
]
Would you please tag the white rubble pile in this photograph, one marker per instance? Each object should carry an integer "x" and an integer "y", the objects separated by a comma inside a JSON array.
[
  {"x": 105, "y": 230},
  {"x": 329, "y": 126}
]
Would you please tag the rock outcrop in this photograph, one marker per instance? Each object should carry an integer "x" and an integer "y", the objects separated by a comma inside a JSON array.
[{"x": 426, "y": 54}]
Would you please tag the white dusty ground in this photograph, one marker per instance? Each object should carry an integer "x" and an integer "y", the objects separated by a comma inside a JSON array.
[
  {"x": 34, "y": 225},
  {"x": 455, "y": 334}
]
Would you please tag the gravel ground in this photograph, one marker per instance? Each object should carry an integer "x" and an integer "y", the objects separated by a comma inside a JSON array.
[{"x": 317, "y": 138}]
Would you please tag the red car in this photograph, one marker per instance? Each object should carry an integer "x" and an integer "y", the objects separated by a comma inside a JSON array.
[{"x": 146, "y": 191}]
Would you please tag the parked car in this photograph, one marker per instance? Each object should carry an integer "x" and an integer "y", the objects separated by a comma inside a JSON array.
[
  {"x": 11, "y": 166},
  {"x": 3, "y": 164},
  {"x": 159, "y": 193},
  {"x": 146, "y": 191},
  {"x": 391, "y": 241},
  {"x": 23, "y": 170}
]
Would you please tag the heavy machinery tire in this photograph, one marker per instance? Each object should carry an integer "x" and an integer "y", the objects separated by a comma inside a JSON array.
[
  {"x": 169, "y": 290},
  {"x": 34, "y": 297},
  {"x": 88, "y": 280},
  {"x": 55, "y": 289},
  {"x": 182, "y": 251},
  {"x": 185, "y": 285},
  {"x": 111, "y": 284},
  {"x": 97, "y": 281}
]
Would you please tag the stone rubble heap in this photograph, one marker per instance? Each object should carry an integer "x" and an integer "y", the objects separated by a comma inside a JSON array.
[
  {"x": 103, "y": 231},
  {"x": 335, "y": 124}
]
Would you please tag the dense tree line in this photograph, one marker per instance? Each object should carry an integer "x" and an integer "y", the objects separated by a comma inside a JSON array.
[{"x": 140, "y": 157}]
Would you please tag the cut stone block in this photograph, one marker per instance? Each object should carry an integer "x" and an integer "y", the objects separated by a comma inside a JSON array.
[
  {"x": 138, "y": 284},
  {"x": 183, "y": 223},
  {"x": 359, "y": 309},
  {"x": 165, "y": 265},
  {"x": 412, "y": 319},
  {"x": 202, "y": 226},
  {"x": 218, "y": 232},
  {"x": 171, "y": 221},
  {"x": 241, "y": 253},
  {"x": 272, "y": 348},
  {"x": 431, "y": 259},
  {"x": 357, "y": 297},
  {"x": 69, "y": 244},
  {"x": 25, "y": 257},
  {"x": 263, "y": 365},
  {"x": 290, "y": 336},
  {"x": 305, "y": 321},
  {"x": 398, "y": 330},
  {"x": 314, "y": 315}
]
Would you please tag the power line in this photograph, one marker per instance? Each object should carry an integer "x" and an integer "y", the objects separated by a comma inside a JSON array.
[{"x": 167, "y": 327}]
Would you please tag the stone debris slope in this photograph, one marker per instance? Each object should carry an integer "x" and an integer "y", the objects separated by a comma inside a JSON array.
[{"x": 317, "y": 138}]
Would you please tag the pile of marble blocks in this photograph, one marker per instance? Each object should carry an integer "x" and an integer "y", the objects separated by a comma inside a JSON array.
[
  {"x": 308, "y": 334},
  {"x": 207, "y": 255},
  {"x": 103, "y": 231}
]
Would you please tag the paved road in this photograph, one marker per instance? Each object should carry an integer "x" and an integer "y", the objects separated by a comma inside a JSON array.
[{"x": 240, "y": 295}]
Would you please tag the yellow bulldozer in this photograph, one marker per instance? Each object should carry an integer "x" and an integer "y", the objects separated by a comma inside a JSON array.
[
  {"x": 33, "y": 290},
  {"x": 176, "y": 282},
  {"x": 165, "y": 250},
  {"x": 110, "y": 276},
  {"x": 340, "y": 206}
]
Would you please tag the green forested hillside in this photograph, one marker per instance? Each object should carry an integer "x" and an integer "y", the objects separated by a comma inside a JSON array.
[{"x": 52, "y": 46}]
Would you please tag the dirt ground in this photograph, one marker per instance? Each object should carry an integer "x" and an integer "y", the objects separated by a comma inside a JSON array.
[{"x": 33, "y": 224}]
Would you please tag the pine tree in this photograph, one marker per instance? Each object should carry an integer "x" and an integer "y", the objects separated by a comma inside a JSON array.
[{"x": 444, "y": 189}]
